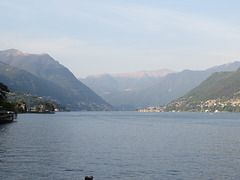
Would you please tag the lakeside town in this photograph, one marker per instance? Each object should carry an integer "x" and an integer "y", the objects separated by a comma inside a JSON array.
[{"x": 214, "y": 105}]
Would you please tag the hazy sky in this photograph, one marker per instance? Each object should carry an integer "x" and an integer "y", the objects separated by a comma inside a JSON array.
[{"x": 117, "y": 36}]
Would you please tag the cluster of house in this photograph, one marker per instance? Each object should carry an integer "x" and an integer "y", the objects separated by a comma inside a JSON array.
[
  {"x": 232, "y": 102},
  {"x": 204, "y": 106},
  {"x": 152, "y": 109},
  {"x": 219, "y": 103}
]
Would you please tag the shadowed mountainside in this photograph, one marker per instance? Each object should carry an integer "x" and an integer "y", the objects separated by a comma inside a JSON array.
[{"x": 71, "y": 92}]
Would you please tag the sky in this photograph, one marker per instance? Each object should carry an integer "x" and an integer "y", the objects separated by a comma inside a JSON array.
[{"x": 119, "y": 36}]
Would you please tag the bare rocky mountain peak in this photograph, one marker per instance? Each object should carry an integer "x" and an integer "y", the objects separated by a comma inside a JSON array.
[
  {"x": 12, "y": 52},
  {"x": 15, "y": 52},
  {"x": 138, "y": 74}
]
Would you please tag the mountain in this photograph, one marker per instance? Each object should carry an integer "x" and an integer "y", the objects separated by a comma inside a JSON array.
[
  {"x": 50, "y": 79},
  {"x": 106, "y": 84},
  {"x": 165, "y": 89},
  {"x": 218, "y": 85},
  {"x": 220, "y": 92},
  {"x": 111, "y": 85},
  {"x": 24, "y": 81}
]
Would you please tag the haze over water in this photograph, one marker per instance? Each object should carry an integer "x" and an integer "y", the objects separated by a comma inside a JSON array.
[{"x": 121, "y": 145}]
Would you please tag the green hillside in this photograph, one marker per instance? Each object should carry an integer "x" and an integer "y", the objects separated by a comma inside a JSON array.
[
  {"x": 220, "y": 92},
  {"x": 220, "y": 84}
]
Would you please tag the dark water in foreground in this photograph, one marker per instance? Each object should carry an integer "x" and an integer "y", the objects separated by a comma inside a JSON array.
[{"x": 121, "y": 145}]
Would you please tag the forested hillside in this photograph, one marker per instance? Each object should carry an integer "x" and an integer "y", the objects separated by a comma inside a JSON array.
[{"x": 220, "y": 92}]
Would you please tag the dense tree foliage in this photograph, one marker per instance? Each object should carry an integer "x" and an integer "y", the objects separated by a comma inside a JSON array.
[
  {"x": 3, "y": 92},
  {"x": 25, "y": 102},
  {"x": 4, "y": 104}
]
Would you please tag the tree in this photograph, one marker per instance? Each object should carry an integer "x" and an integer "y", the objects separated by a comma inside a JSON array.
[
  {"x": 4, "y": 104},
  {"x": 3, "y": 93}
]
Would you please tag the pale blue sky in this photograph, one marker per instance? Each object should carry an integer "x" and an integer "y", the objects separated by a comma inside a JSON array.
[{"x": 118, "y": 36}]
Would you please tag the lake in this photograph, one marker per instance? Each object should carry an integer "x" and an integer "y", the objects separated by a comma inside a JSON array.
[{"x": 121, "y": 145}]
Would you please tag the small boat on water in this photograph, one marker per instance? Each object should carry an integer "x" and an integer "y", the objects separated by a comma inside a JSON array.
[{"x": 7, "y": 116}]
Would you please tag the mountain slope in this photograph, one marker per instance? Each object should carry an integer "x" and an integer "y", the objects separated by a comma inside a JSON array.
[
  {"x": 218, "y": 85},
  {"x": 43, "y": 66},
  {"x": 167, "y": 88},
  {"x": 220, "y": 92},
  {"x": 23, "y": 81}
]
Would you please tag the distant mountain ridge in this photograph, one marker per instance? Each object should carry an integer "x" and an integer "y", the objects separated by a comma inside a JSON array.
[
  {"x": 110, "y": 85},
  {"x": 162, "y": 90},
  {"x": 138, "y": 74},
  {"x": 78, "y": 96}
]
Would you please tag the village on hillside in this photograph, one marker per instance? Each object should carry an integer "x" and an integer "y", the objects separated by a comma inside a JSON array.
[{"x": 213, "y": 105}]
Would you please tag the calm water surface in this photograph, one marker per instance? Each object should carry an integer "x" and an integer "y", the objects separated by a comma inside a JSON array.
[{"x": 121, "y": 145}]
